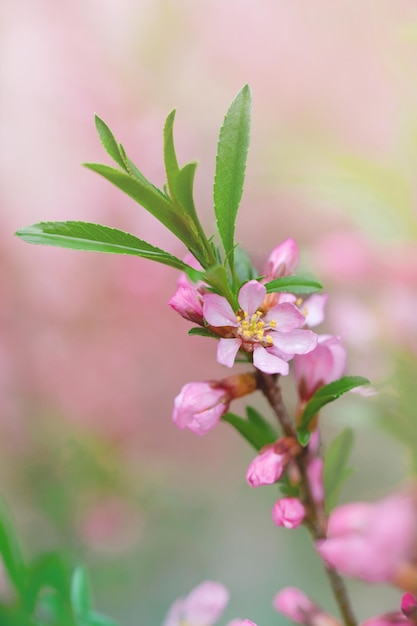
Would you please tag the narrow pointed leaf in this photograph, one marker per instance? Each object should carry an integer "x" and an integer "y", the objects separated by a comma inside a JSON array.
[
  {"x": 201, "y": 332},
  {"x": 327, "y": 394},
  {"x": 261, "y": 424},
  {"x": 250, "y": 431},
  {"x": 216, "y": 277},
  {"x": 81, "y": 594},
  {"x": 96, "y": 238},
  {"x": 336, "y": 469},
  {"x": 109, "y": 142},
  {"x": 170, "y": 157},
  {"x": 232, "y": 150},
  {"x": 10, "y": 550},
  {"x": 184, "y": 186},
  {"x": 294, "y": 284}
]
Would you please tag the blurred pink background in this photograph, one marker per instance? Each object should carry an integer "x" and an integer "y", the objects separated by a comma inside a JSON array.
[{"x": 91, "y": 356}]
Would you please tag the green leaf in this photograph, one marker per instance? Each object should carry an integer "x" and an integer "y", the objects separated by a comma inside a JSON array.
[
  {"x": 262, "y": 424},
  {"x": 201, "y": 332},
  {"x": 96, "y": 238},
  {"x": 255, "y": 435},
  {"x": 294, "y": 284},
  {"x": 10, "y": 550},
  {"x": 170, "y": 157},
  {"x": 49, "y": 571},
  {"x": 232, "y": 150},
  {"x": 327, "y": 394},
  {"x": 109, "y": 142},
  {"x": 243, "y": 266},
  {"x": 81, "y": 594},
  {"x": 335, "y": 466},
  {"x": 184, "y": 186}
]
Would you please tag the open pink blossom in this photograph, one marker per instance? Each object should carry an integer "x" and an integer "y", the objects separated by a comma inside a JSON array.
[
  {"x": 288, "y": 512},
  {"x": 199, "y": 406},
  {"x": 373, "y": 542},
  {"x": 323, "y": 365},
  {"x": 298, "y": 607},
  {"x": 272, "y": 337},
  {"x": 202, "y": 607}
]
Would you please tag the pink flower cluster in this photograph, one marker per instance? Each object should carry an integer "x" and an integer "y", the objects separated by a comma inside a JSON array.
[{"x": 269, "y": 328}]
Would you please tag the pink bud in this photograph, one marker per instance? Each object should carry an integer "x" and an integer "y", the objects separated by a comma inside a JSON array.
[
  {"x": 203, "y": 605},
  {"x": 409, "y": 607},
  {"x": 323, "y": 365},
  {"x": 283, "y": 260},
  {"x": 199, "y": 406},
  {"x": 298, "y": 607},
  {"x": 188, "y": 302},
  {"x": 388, "y": 619},
  {"x": 288, "y": 512},
  {"x": 268, "y": 467}
]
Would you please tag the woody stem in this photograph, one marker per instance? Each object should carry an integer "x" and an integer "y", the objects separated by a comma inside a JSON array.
[{"x": 315, "y": 518}]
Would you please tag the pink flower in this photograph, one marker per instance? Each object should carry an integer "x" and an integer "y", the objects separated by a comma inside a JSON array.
[
  {"x": 272, "y": 337},
  {"x": 202, "y": 607},
  {"x": 288, "y": 512},
  {"x": 239, "y": 622},
  {"x": 199, "y": 406},
  {"x": 294, "y": 604},
  {"x": 373, "y": 542},
  {"x": 283, "y": 260},
  {"x": 268, "y": 467},
  {"x": 323, "y": 365},
  {"x": 313, "y": 309}
]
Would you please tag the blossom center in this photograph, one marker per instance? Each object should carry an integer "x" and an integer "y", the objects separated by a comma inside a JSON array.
[{"x": 253, "y": 329}]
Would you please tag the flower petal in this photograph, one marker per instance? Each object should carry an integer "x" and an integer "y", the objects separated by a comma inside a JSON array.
[
  {"x": 296, "y": 341},
  {"x": 286, "y": 316},
  {"x": 268, "y": 362},
  {"x": 314, "y": 307},
  {"x": 217, "y": 311},
  {"x": 227, "y": 350},
  {"x": 251, "y": 296}
]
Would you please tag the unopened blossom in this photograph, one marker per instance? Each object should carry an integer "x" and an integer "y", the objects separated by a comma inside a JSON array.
[
  {"x": 270, "y": 464},
  {"x": 298, "y": 607},
  {"x": 288, "y": 512},
  {"x": 323, "y": 365},
  {"x": 409, "y": 607},
  {"x": 373, "y": 542},
  {"x": 272, "y": 337},
  {"x": 203, "y": 606},
  {"x": 200, "y": 405},
  {"x": 283, "y": 260},
  {"x": 188, "y": 298}
]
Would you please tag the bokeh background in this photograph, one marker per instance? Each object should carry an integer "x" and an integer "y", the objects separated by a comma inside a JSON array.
[{"x": 91, "y": 356}]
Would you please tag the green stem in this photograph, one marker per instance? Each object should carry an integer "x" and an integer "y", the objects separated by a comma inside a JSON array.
[{"x": 315, "y": 521}]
